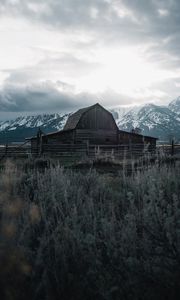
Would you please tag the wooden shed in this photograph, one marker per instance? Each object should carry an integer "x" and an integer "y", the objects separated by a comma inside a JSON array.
[{"x": 92, "y": 125}]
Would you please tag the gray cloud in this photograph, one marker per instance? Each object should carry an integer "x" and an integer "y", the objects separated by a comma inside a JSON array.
[
  {"x": 153, "y": 24},
  {"x": 64, "y": 63},
  {"x": 43, "y": 97},
  {"x": 99, "y": 14},
  {"x": 115, "y": 21},
  {"x": 47, "y": 98}
]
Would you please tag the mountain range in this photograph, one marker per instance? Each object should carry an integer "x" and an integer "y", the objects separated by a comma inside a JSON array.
[{"x": 162, "y": 122}]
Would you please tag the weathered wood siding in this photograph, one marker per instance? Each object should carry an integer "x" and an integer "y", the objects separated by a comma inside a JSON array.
[
  {"x": 96, "y": 126},
  {"x": 34, "y": 145},
  {"x": 66, "y": 137},
  {"x": 132, "y": 138},
  {"x": 97, "y": 118},
  {"x": 149, "y": 140},
  {"x": 96, "y": 137},
  {"x": 127, "y": 137}
]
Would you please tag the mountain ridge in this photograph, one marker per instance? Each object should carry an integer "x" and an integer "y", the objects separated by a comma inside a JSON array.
[{"x": 162, "y": 122}]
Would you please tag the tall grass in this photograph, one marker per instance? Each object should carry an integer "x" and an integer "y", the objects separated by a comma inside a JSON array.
[{"x": 70, "y": 235}]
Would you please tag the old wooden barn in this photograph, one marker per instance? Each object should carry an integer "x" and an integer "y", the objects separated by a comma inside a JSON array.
[{"x": 88, "y": 126}]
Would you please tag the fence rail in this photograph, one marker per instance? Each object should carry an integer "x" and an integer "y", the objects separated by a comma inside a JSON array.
[
  {"x": 79, "y": 151},
  {"x": 169, "y": 149}
]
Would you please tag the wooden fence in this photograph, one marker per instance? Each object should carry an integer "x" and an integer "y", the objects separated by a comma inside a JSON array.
[
  {"x": 14, "y": 152},
  {"x": 68, "y": 152},
  {"x": 169, "y": 149},
  {"x": 95, "y": 150}
]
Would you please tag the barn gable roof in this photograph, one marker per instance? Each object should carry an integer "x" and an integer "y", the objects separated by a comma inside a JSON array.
[{"x": 74, "y": 119}]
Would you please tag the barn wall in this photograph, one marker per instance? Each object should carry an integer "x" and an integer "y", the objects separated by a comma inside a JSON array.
[
  {"x": 97, "y": 118},
  {"x": 149, "y": 140},
  {"x": 96, "y": 137},
  {"x": 123, "y": 138},
  {"x": 59, "y": 138},
  {"x": 34, "y": 145},
  {"x": 126, "y": 138}
]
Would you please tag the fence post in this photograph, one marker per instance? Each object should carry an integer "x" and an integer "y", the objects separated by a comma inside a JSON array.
[
  {"x": 130, "y": 149},
  {"x": 39, "y": 142},
  {"x": 41, "y": 145},
  {"x": 87, "y": 148},
  {"x": 6, "y": 149},
  {"x": 172, "y": 147}
]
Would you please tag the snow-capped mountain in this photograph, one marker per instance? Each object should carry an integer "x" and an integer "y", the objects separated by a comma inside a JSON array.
[
  {"x": 22, "y": 127},
  {"x": 175, "y": 106},
  {"x": 159, "y": 121},
  {"x": 120, "y": 111},
  {"x": 55, "y": 121}
]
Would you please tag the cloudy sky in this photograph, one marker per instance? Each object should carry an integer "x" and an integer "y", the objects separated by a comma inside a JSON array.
[{"x": 63, "y": 54}]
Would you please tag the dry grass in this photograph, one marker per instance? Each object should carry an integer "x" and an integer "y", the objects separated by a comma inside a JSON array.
[{"x": 75, "y": 235}]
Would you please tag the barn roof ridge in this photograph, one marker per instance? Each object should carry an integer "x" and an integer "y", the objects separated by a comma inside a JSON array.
[{"x": 74, "y": 119}]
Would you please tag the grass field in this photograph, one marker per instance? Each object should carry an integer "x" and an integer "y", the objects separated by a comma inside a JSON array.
[{"x": 90, "y": 232}]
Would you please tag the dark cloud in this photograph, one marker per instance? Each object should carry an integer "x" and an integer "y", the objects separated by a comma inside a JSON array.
[
  {"x": 43, "y": 97},
  {"x": 115, "y": 21},
  {"x": 47, "y": 98},
  {"x": 112, "y": 14},
  {"x": 153, "y": 24},
  {"x": 66, "y": 13}
]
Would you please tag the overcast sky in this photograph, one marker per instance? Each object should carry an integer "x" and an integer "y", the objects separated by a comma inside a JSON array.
[{"x": 64, "y": 54}]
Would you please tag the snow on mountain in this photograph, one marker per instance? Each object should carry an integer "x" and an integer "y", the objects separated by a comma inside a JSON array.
[
  {"x": 4, "y": 125},
  {"x": 55, "y": 121},
  {"x": 175, "y": 106},
  {"x": 26, "y": 126},
  {"x": 159, "y": 121},
  {"x": 120, "y": 111}
]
